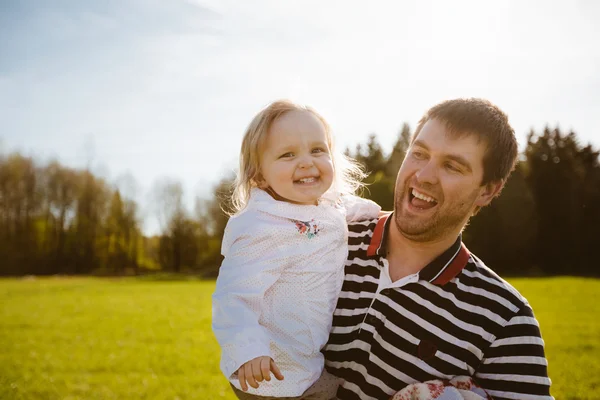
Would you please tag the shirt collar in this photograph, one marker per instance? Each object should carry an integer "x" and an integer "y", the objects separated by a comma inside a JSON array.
[{"x": 439, "y": 271}]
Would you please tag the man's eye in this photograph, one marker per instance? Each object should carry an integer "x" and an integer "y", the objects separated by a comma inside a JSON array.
[
  {"x": 451, "y": 167},
  {"x": 418, "y": 155}
]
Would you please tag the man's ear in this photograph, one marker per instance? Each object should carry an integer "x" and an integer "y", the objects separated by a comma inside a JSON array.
[{"x": 488, "y": 192}]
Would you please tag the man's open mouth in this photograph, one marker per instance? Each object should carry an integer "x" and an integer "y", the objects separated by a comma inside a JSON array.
[{"x": 421, "y": 200}]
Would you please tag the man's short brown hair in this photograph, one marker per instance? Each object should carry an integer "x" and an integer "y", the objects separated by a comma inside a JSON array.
[{"x": 483, "y": 119}]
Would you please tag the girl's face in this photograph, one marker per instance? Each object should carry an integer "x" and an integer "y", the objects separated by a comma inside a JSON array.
[{"x": 296, "y": 161}]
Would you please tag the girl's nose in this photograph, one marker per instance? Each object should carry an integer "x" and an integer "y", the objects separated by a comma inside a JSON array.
[{"x": 305, "y": 162}]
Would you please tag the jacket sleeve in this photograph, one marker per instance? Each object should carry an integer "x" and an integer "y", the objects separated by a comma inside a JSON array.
[
  {"x": 359, "y": 209},
  {"x": 515, "y": 366},
  {"x": 250, "y": 267}
]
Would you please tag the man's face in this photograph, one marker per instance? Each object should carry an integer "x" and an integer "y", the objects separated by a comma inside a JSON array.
[{"x": 439, "y": 184}]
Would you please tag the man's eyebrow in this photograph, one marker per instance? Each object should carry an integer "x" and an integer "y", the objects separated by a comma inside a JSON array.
[
  {"x": 454, "y": 157},
  {"x": 420, "y": 143}
]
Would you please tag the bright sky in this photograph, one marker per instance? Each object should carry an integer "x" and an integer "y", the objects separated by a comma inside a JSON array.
[{"x": 166, "y": 88}]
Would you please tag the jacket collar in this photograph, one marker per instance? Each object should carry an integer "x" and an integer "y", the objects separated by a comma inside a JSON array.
[{"x": 262, "y": 201}]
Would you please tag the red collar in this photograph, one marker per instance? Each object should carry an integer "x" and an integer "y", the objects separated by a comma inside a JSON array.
[{"x": 440, "y": 271}]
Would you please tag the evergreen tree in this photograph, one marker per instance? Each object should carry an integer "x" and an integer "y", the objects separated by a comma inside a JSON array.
[
  {"x": 559, "y": 174},
  {"x": 396, "y": 158},
  {"x": 504, "y": 233},
  {"x": 374, "y": 159}
]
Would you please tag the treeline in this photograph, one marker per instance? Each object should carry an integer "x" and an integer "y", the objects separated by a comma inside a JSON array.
[{"x": 59, "y": 220}]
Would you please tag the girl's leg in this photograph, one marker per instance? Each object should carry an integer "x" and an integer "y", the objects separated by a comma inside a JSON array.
[
  {"x": 325, "y": 388},
  {"x": 247, "y": 396}
]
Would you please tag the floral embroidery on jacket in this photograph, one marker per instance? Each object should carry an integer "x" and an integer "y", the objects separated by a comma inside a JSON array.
[{"x": 308, "y": 228}]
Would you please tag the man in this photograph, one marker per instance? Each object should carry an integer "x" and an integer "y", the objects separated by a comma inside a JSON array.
[{"x": 416, "y": 305}]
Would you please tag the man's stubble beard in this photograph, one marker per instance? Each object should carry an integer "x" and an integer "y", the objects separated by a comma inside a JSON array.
[{"x": 436, "y": 227}]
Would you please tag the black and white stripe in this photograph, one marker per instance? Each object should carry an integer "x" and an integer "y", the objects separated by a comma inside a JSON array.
[{"x": 476, "y": 323}]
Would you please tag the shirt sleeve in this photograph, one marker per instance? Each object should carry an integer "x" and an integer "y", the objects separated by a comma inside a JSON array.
[
  {"x": 515, "y": 366},
  {"x": 359, "y": 209},
  {"x": 251, "y": 266}
]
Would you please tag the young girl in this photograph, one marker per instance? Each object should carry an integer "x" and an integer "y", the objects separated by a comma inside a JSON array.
[{"x": 285, "y": 250}]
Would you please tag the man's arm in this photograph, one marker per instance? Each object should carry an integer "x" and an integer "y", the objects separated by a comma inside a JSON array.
[{"x": 515, "y": 366}]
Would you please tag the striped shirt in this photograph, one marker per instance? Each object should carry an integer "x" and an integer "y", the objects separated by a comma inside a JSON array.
[{"x": 455, "y": 317}]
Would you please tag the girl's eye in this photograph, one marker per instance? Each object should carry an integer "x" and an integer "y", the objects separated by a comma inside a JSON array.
[
  {"x": 287, "y": 155},
  {"x": 318, "y": 150}
]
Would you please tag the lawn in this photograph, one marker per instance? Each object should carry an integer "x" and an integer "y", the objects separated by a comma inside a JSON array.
[{"x": 88, "y": 338}]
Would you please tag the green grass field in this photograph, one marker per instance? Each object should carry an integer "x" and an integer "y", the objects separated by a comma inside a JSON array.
[{"x": 87, "y": 338}]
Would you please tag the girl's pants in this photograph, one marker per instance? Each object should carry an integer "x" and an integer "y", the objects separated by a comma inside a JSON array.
[{"x": 324, "y": 388}]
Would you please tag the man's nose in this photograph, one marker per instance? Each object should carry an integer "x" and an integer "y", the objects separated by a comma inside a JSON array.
[{"x": 428, "y": 173}]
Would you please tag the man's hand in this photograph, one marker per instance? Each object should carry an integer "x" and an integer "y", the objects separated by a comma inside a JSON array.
[{"x": 257, "y": 370}]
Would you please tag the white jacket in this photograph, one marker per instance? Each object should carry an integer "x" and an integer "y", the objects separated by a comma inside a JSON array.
[{"x": 278, "y": 285}]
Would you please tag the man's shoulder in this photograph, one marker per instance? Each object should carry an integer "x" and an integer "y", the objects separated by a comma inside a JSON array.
[
  {"x": 360, "y": 235},
  {"x": 476, "y": 273},
  {"x": 363, "y": 226}
]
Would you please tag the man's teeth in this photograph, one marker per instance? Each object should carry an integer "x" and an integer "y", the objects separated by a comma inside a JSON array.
[
  {"x": 422, "y": 196},
  {"x": 307, "y": 180}
]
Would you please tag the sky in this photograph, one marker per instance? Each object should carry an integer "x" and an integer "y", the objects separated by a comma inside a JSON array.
[{"x": 142, "y": 90}]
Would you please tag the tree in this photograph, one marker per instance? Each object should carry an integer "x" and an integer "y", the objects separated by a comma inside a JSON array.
[
  {"x": 590, "y": 213},
  {"x": 179, "y": 239},
  {"x": 116, "y": 231},
  {"x": 132, "y": 234},
  {"x": 504, "y": 233},
  {"x": 60, "y": 194},
  {"x": 55, "y": 219},
  {"x": 91, "y": 210},
  {"x": 562, "y": 176},
  {"x": 396, "y": 158},
  {"x": 213, "y": 215},
  {"x": 19, "y": 202},
  {"x": 379, "y": 187},
  {"x": 372, "y": 157}
]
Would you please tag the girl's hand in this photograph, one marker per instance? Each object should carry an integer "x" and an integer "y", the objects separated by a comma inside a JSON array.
[{"x": 257, "y": 370}]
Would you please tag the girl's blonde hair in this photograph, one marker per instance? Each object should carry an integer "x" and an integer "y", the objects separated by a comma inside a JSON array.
[{"x": 347, "y": 172}]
